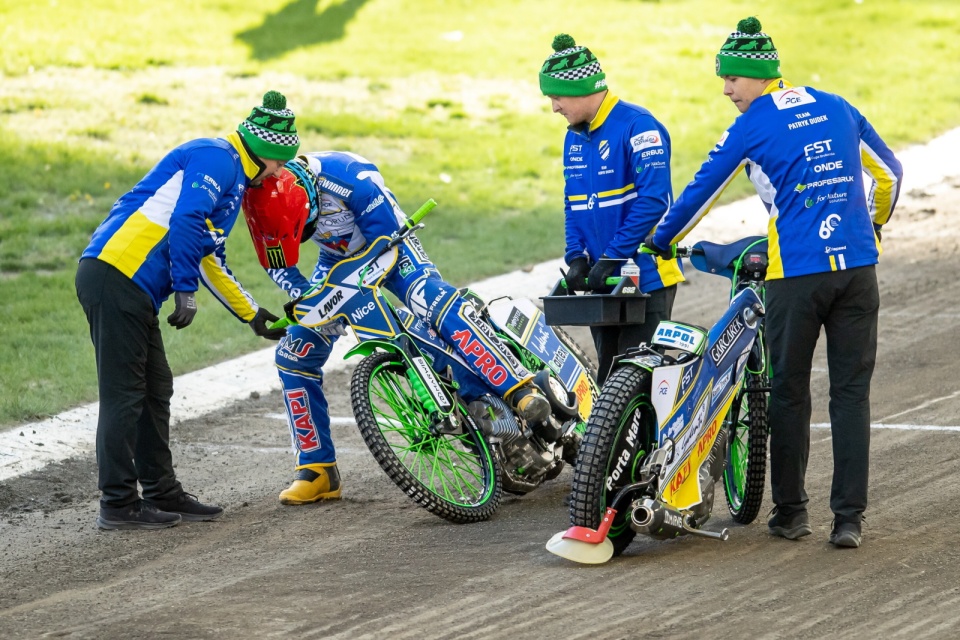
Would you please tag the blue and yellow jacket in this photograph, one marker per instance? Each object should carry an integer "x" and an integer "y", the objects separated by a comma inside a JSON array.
[
  {"x": 617, "y": 174},
  {"x": 169, "y": 231},
  {"x": 805, "y": 152}
]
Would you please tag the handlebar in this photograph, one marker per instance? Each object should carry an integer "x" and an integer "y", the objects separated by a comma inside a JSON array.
[
  {"x": 412, "y": 223},
  {"x": 282, "y": 323},
  {"x": 419, "y": 214},
  {"x": 609, "y": 282}
]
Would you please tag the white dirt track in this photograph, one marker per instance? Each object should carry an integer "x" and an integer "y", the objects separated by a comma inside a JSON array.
[{"x": 376, "y": 566}]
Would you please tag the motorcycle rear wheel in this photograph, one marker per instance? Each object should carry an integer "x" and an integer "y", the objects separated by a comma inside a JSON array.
[
  {"x": 453, "y": 476},
  {"x": 744, "y": 474},
  {"x": 624, "y": 397}
]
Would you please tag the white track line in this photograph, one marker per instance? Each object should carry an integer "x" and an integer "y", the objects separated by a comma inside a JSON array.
[
  {"x": 898, "y": 427},
  {"x": 31, "y": 446},
  {"x": 334, "y": 420}
]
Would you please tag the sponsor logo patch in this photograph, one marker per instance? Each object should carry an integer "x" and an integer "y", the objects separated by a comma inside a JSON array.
[
  {"x": 790, "y": 98},
  {"x": 517, "y": 322},
  {"x": 829, "y": 225},
  {"x": 646, "y": 140},
  {"x": 305, "y": 433},
  {"x": 727, "y": 339},
  {"x": 604, "y": 149}
]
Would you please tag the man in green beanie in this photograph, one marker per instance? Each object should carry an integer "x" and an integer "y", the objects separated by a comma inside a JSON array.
[
  {"x": 805, "y": 151},
  {"x": 617, "y": 187},
  {"x": 161, "y": 238}
]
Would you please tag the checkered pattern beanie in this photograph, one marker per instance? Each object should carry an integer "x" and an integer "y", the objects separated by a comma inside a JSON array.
[
  {"x": 269, "y": 130},
  {"x": 748, "y": 53},
  {"x": 571, "y": 71}
]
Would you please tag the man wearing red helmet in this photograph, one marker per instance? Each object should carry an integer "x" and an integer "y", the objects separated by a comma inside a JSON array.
[{"x": 339, "y": 200}]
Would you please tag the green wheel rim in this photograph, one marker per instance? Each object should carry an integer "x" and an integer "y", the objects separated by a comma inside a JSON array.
[
  {"x": 449, "y": 466},
  {"x": 739, "y": 452}
]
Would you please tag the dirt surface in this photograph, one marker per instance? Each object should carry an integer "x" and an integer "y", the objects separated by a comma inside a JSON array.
[{"x": 375, "y": 566}]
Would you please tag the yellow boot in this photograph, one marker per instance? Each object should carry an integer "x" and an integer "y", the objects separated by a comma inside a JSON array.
[{"x": 313, "y": 482}]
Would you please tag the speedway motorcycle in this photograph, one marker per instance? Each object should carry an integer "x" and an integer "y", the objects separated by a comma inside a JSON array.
[
  {"x": 675, "y": 418},
  {"x": 452, "y": 456}
]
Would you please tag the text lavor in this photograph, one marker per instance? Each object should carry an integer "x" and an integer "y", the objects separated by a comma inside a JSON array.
[{"x": 332, "y": 302}]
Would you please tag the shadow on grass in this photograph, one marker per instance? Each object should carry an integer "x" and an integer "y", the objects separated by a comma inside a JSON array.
[{"x": 298, "y": 25}]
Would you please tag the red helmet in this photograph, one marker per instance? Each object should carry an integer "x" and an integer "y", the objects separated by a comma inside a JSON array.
[{"x": 276, "y": 213}]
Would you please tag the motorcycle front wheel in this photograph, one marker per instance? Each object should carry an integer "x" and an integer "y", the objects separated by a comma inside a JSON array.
[
  {"x": 745, "y": 472},
  {"x": 452, "y": 475},
  {"x": 620, "y": 433}
]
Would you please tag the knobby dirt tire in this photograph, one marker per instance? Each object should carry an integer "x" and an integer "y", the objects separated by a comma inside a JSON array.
[
  {"x": 626, "y": 392},
  {"x": 455, "y": 477},
  {"x": 745, "y": 471}
]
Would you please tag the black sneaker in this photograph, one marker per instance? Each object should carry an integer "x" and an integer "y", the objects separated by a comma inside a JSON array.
[
  {"x": 137, "y": 515},
  {"x": 189, "y": 508},
  {"x": 845, "y": 534},
  {"x": 792, "y": 527}
]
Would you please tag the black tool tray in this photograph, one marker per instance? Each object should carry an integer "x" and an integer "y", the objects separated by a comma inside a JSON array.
[{"x": 625, "y": 305}]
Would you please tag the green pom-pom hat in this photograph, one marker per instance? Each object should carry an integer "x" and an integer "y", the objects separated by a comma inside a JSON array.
[
  {"x": 270, "y": 131},
  {"x": 571, "y": 70},
  {"x": 749, "y": 53}
]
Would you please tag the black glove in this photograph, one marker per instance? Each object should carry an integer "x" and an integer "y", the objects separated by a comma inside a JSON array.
[
  {"x": 597, "y": 280},
  {"x": 182, "y": 316},
  {"x": 650, "y": 248},
  {"x": 260, "y": 322},
  {"x": 577, "y": 275},
  {"x": 290, "y": 306}
]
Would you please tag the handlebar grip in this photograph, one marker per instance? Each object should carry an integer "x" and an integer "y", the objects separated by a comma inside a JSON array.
[
  {"x": 612, "y": 281},
  {"x": 282, "y": 323},
  {"x": 418, "y": 215}
]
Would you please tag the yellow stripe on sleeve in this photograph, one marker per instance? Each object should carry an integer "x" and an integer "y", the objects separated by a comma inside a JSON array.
[
  {"x": 226, "y": 288},
  {"x": 576, "y": 198},
  {"x": 882, "y": 205}
]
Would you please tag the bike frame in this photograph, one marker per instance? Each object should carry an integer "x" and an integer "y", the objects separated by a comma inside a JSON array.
[
  {"x": 693, "y": 392},
  {"x": 694, "y": 376}
]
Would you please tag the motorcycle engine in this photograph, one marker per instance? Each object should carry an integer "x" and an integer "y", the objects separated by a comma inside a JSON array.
[{"x": 525, "y": 459}]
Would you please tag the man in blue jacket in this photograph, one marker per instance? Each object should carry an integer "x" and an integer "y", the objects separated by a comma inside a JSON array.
[
  {"x": 805, "y": 152},
  {"x": 617, "y": 187},
  {"x": 163, "y": 237}
]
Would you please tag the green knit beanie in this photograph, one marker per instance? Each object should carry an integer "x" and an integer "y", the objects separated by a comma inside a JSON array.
[
  {"x": 748, "y": 53},
  {"x": 571, "y": 71},
  {"x": 269, "y": 130}
]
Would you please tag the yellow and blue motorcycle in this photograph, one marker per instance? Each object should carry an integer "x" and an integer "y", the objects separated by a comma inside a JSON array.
[{"x": 675, "y": 418}]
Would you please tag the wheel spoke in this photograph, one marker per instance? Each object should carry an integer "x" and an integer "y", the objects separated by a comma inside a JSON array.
[{"x": 446, "y": 465}]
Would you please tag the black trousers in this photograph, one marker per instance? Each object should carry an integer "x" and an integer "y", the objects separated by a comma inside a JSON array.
[
  {"x": 613, "y": 340},
  {"x": 135, "y": 383},
  {"x": 845, "y": 304}
]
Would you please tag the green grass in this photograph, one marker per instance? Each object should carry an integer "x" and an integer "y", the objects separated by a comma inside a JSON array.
[{"x": 442, "y": 95}]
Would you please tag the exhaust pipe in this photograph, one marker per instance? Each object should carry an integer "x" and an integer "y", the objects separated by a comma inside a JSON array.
[{"x": 653, "y": 519}]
